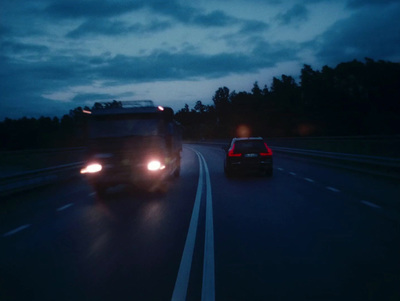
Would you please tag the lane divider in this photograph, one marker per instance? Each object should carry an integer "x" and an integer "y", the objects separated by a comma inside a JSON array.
[
  {"x": 182, "y": 280},
  {"x": 371, "y": 204},
  {"x": 65, "y": 207},
  {"x": 12, "y": 232},
  {"x": 333, "y": 189}
]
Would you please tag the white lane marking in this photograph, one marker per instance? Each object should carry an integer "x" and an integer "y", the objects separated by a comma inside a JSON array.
[
  {"x": 281, "y": 169},
  {"x": 309, "y": 180},
  {"x": 12, "y": 232},
  {"x": 371, "y": 204},
  {"x": 332, "y": 189},
  {"x": 182, "y": 280},
  {"x": 208, "y": 288},
  {"x": 65, "y": 207},
  {"x": 292, "y": 173}
]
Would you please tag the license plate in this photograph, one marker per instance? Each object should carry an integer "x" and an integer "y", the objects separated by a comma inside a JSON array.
[{"x": 251, "y": 155}]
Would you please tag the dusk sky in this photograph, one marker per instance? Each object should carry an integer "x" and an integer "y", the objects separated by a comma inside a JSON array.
[{"x": 58, "y": 55}]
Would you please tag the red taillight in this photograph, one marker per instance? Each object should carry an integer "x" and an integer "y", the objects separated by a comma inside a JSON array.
[
  {"x": 232, "y": 154},
  {"x": 268, "y": 153}
]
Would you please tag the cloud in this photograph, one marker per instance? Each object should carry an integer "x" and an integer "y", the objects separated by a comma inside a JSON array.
[
  {"x": 251, "y": 27},
  {"x": 360, "y": 3},
  {"x": 163, "y": 65},
  {"x": 91, "y": 8},
  {"x": 295, "y": 14},
  {"x": 216, "y": 18},
  {"x": 96, "y": 12},
  {"x": 93, "y": 97},
  {"x": 54, "y": 73},
  {"x": 15, "y": 48},
  {"x": 364, "y": 34},
  {"x": 115, "y": 28}
]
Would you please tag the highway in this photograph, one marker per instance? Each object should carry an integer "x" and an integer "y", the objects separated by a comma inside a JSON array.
[{"x": 310, "y": 232}]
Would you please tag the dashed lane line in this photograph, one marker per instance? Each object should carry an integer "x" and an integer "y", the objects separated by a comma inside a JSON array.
[
  {"x": 65, "y": 207},
  {"x": 16, "y": 230},
  {"x": 371, "y": 204},
  {"x": 332, "y": 189}
]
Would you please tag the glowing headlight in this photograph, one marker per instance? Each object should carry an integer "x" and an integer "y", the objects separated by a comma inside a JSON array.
[
  {"x": 92, "y": 168},
  {"x": 155, "y": 165}
]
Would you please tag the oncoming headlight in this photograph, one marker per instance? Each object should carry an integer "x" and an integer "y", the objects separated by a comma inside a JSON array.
[
  {"x": 155, "y": 165},
  {"x": 92, "y": 168}
]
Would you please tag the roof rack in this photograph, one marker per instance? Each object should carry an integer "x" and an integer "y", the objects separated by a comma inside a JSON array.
[
  {"x": 124, "y": 107},
  {"x": 137, "y": 104}
]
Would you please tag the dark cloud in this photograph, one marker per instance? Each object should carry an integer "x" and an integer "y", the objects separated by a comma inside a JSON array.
[
  {"x": 215, "y": 18},
  {"x": 58, "y": 73},
  {"x": 96, "y": 11},
  {"x": 93, "y": 97},
  {"x": 91, "y": 8},
  {"x": 360, "y": 3},
  {"x": 15, "y": 48},
  {"x": 115, "y": 28},
  {"x": 364, "y": 34},
  {"x": 295, "y": 14},
  {"x": 251, "y": 27},
  {"x": 163, "y": 65}
]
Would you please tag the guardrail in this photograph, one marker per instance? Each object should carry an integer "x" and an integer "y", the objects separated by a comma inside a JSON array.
[
  {"x": 23, "y": 180},
  {"x": 31, "y": 179},
  {"x": 377, "y": 165},
  {"x": 371, "y": 164}
]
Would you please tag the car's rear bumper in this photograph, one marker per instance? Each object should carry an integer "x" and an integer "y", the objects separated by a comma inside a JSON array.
[{"x": 261, "y": 165}]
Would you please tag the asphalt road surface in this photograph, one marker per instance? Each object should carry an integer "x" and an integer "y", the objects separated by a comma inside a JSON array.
[{"x": 310, "y": 232}]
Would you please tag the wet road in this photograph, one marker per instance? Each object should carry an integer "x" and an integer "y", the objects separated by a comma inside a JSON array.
[{"x": 311, "y": 232}]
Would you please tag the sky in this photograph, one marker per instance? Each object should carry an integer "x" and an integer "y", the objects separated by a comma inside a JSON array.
[{"x": 56, "y": 55}]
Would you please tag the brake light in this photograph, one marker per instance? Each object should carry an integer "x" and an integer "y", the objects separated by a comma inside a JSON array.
[
  {"x": 232, "y": 154},
  {"x": 268, "y": 153}
]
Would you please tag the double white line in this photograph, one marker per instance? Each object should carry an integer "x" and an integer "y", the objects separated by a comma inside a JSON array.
[{"x": 182, "y": 280}]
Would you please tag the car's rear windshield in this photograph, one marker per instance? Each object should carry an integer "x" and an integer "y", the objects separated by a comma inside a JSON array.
[{"x": 245, "y": 146}]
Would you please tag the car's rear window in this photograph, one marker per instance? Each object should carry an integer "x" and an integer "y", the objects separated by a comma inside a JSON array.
[{"x": 245, "y": 146}]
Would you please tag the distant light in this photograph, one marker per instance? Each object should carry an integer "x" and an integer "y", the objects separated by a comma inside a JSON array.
[
  {"x": 160, "y": 108},
  {"x": 86, "y": 112}
]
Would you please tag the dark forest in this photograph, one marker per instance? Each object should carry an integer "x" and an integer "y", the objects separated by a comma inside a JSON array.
[{"x": 354, "y": 98}]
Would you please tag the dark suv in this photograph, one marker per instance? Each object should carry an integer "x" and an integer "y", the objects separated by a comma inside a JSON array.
[{"x": 248, "y": 155}]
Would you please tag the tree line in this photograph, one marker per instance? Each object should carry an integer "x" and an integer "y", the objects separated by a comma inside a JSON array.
[{"x": 354, "y": 98}]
